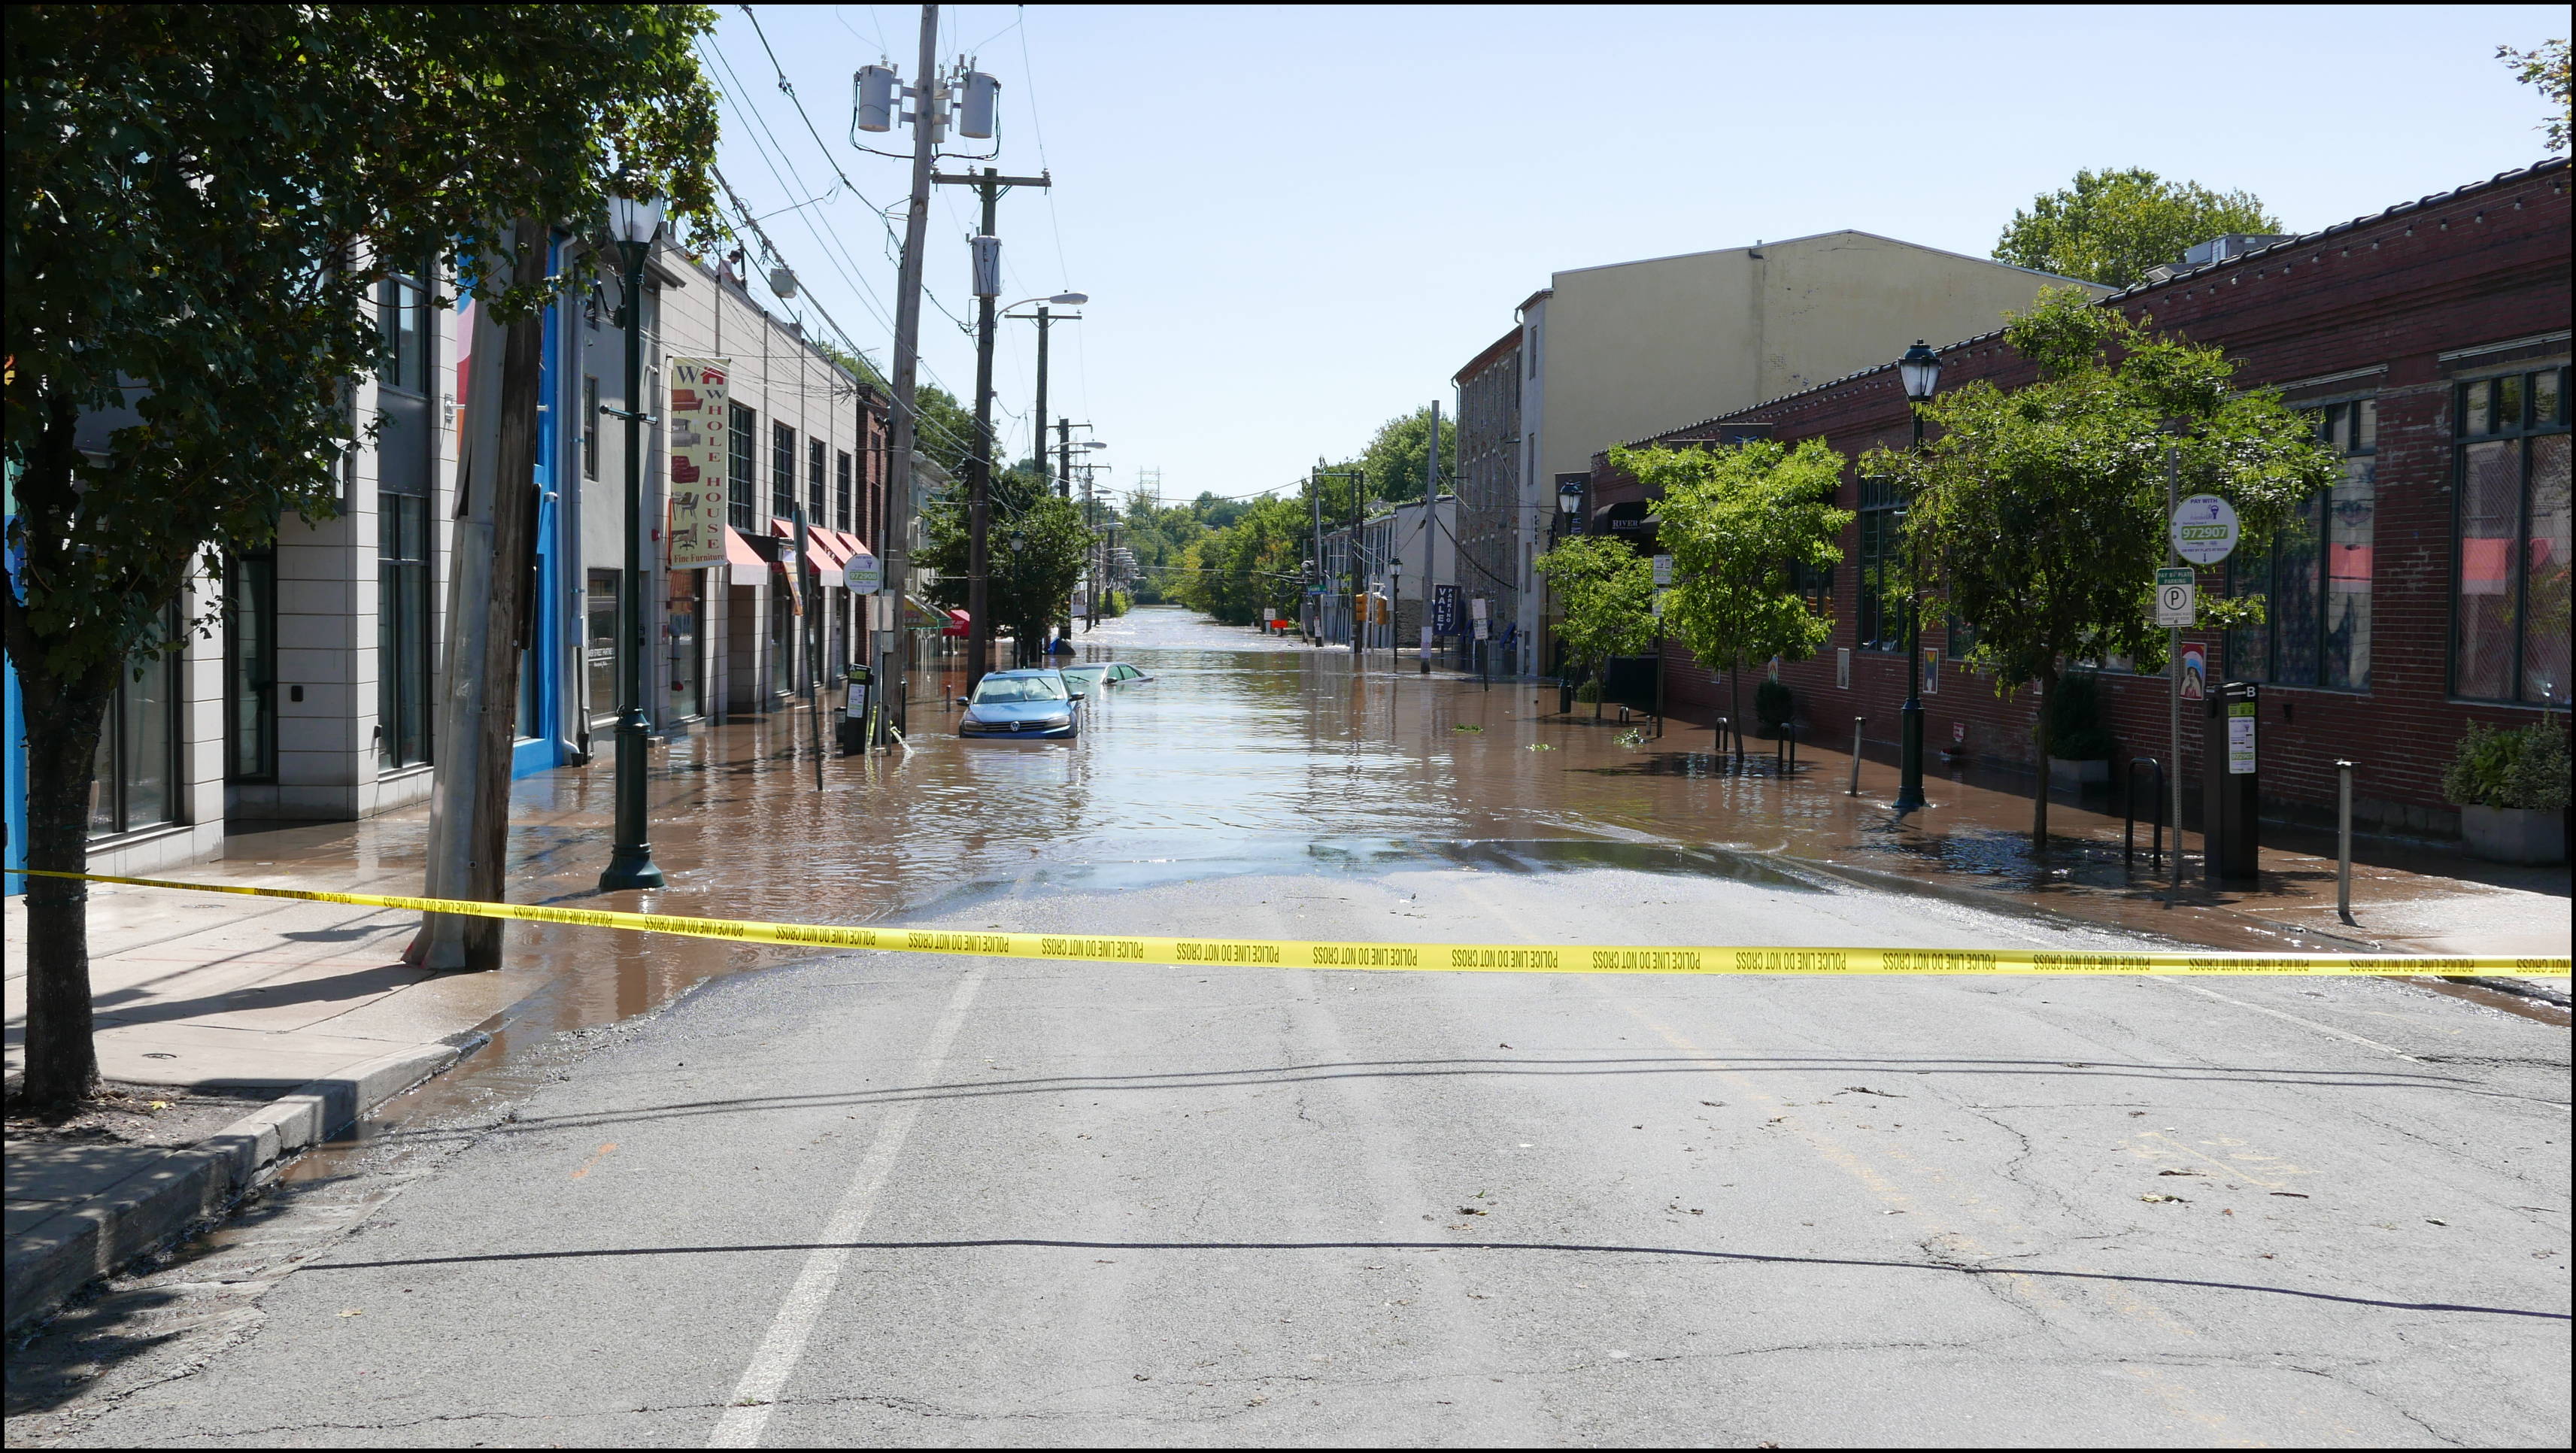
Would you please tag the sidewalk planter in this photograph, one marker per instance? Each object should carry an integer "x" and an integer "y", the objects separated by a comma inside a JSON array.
[
  {"x": 2511, "y": 789},
  {"x": 2069, "y": 772},
  {"x": 2515, "y": 834}
]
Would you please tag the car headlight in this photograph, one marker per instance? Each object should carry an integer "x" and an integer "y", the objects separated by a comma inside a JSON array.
[{"x": 1052, "y": 722}]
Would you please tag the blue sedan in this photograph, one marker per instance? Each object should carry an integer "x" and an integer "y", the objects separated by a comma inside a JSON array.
[{"x": 1022, "y": 706}]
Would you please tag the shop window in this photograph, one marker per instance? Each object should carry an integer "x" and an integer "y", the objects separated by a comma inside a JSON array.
[
  {"x": 782, "y": 472},
  {"x": 250, "y": 668},
  {"x": 738, "y": 450},
  {"x": 599, "y": 645},
  {"x": 1882, "y": 517},
  {"x": 137, "y": 767},
  {"x": 2509, "y": 610},
  {"x": 2315, "y": 575},
  {"x": 402, "y": 630}
]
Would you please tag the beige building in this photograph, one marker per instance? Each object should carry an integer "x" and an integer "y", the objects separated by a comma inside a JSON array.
[{"x": 1619, "y": 352}]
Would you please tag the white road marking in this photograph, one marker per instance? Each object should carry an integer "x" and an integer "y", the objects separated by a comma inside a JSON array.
[
  {"x": 747, "y": 1414},
  {"x": 2294, "y": 1019}
]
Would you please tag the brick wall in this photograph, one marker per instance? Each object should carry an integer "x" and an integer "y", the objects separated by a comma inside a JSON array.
[{"x": 2369, "y": 307}]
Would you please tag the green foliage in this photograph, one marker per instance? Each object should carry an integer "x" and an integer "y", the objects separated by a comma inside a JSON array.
[
  {"x": 1236, "y": 573},
  {"x": 2075, "y": 730},
  {"x": 1607, "y": 593},
  {"x": 1391, "y": 467},
  {"x": 1037, "y": 545},
  {"x": 2544, "y": 68},
  {"x": 1773, "y": 705},
  {"x": 1116, "y": 603},
  {"x": 1737, "y": 521},
  {"x": 2039, "y": 515},
  {"x": 2111, "y": 226},
  {"x": 2526, "y": 768},
  {"x": 1159, "y": 535}
]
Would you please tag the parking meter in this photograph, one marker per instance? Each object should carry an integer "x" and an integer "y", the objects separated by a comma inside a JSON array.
[
  {"x": 850, "y": 733},
  {"x": 2231, "y": 762}
]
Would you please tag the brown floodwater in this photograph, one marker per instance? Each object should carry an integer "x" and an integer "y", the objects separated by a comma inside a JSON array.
[{"x": 1243, "y": 754}]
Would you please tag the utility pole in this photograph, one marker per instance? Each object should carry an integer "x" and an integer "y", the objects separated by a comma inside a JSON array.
[
  {"x": 989, "y": 184},
  {"x": 1038, "y": 419},
  {"x": 1315, "y": 497},
  {"x": 1063, "y": 457},
  {"x": 928, "y": 121}
]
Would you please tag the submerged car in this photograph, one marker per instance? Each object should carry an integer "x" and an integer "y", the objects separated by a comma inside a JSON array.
[
  {"x": 1103, "y": 673},
  {"x": 1022, "y": 705}
]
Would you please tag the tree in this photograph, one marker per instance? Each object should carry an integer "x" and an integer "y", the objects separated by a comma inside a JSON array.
[
  {"x": 2545, "y": 70},
  {"x": 1738, "y": 522},
  {"x": 201, "y": 199},
  {"x": 1251, "y": 567},
  {"x": 1392, "y": 465},
  {"x": 2038, "y": 515},
  {"x": 1606, "y": 591},
  {"x": 2111, "y": 226},
  {"x": 1039, "y": 546}
]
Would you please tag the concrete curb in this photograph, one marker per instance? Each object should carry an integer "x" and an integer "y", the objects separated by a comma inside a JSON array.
[{"x": 49, "y": 1262}]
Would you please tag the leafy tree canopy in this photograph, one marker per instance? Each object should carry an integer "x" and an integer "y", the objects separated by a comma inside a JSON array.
[
  {"x": 1391, "y": 466},
  {"x": 1607, "y": 593},
  {"x": 2038, "y": 514},
  {"x": 1249, "y": 567},
  {"x": 1738, "y": 521},
  {"x": 2544, "y": 69},
  {"x": 1037, "y": 543},
  {"x": 2111, "y": 226}
]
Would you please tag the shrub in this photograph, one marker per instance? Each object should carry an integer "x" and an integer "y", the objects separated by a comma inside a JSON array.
[
  {"x": 1773, "y": 706},
  {"x": 2075, "y": 730},
  {"x": 2526, "y": 768},
  {"x": 1590, "y": 690}
]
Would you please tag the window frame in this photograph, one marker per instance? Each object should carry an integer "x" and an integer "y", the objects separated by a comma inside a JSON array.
[
  {"x": 742, "y": 463},
  {"x": 782, "y": 470},
  {"x": 1878, "y": 503},
  {"x": 250, "y": 665},
  {"x": 114, "y": 775},
  {"x": 2521, "y": 434},
  {"x": 2354, "y": 416}
]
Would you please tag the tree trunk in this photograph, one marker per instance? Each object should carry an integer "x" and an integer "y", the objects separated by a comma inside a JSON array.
[
  {"x": 2039, "y": 799},
  {"x": 63, "y": 723},
  {"x": 1735, "y": 705},
  {"x": 63, "y": 719}
]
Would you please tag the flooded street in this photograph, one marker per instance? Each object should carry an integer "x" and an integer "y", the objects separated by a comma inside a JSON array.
[{"x": 689, "y": 1194}]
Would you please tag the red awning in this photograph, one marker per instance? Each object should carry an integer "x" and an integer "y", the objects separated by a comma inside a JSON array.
[
  {"x": 959, "y": 623},
  {"x": 738, "y": 550}
]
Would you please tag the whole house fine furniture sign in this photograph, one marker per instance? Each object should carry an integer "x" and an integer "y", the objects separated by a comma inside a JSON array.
[{"x": 695, "y": 423}]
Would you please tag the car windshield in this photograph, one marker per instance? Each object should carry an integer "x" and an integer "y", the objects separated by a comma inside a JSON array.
[
  {"x": 996, "y": 689},
  {"x": 1085, "y": 673}
]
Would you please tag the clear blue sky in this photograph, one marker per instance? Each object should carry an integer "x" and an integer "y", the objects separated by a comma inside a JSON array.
[{"x": 1296, "y": 223}]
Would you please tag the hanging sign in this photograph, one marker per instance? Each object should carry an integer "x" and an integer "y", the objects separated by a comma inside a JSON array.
[
  {"x": 2204, "y": 529},
  {"x": 2177, "y": 596},
  {"x": 694, "y": 421},
  {"x": 2195, "y": 672},
  {"x": 1444, "y": 610}
]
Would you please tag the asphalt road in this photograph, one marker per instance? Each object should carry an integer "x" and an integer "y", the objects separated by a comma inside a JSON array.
[{"x": 885, "y": 1199}]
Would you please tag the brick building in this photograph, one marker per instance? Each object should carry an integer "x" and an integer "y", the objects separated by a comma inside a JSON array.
[{"x": 2430, "y": 342}]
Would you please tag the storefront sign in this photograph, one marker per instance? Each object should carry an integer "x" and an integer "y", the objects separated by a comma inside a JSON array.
[{"x": 694, "y": 421}]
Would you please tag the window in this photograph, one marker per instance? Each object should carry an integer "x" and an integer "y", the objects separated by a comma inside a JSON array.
[
  {"x": 250, "y": 668},
  {"x": 137, "y": 781},
  {"x": 404, "y": 361},
  {"x": 1815, "y": 586},
  {"x": 738, "y": 448},
  {"x": 599, "y": 645},
  {"x": 589, "y": 428},
  {"x": 2509, "y": 610},
  {"x": 841, "y": 495},
  {"x": 815, "y": 454},
  {"x": 782, "y": 471},
  {"x": 402, "y": 630},
  {"x": 2315, "y": 575},
  {"x": 1882, "y": 622}
]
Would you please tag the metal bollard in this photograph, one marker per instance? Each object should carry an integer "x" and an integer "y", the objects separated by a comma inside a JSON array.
[
  {"x": 1854, "y": 789},
  {"x": 2343, "y": 843}
]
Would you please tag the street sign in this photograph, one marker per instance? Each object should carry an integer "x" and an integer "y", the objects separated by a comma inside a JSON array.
[
  {"x": 1444, "y": 610},
  {"x": 2204, "y": 529},
  {"x": 2177, "y": 596},
  {"x": 865, "y": 574},
  {"x": 1663, "y": 572},
  {"x": 1659, "y": 595},
  {"x": 2195, "y": 672}
]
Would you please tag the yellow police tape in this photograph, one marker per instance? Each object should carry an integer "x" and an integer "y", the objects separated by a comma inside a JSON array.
[{"x": 1518, "y": 958}]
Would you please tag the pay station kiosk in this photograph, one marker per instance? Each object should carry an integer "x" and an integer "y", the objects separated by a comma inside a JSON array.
[{"x": 2230, "y": 761}]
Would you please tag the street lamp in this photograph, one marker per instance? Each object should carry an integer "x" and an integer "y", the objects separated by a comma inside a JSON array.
[
  {"x": 1569, "y": 503},
  {"x": 633, "y": 222},
  {"x": 1920, "y": 371}
]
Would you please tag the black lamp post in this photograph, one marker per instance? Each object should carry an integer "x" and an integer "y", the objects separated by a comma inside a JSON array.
[
  {"x": 1920, "y": 369},
  {"x": 634, "y": 221}
]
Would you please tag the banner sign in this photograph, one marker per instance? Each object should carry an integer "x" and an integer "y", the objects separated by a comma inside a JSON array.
[
  {"x": 1444, "y": 610},
  {"x": 694, "y": 424}
]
